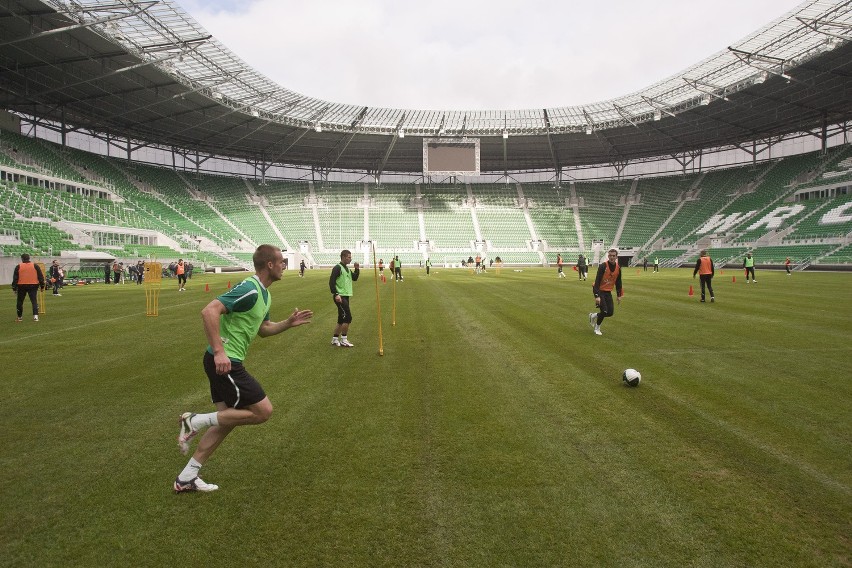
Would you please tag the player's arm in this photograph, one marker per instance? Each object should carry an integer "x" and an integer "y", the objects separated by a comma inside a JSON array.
[
  {"x": 357, "y": 272},
  {"x": 596, "y": 287},
  {"x": 332, "y": 280},
  {"x": 697, "y": 265},
  {"x": 618, "y": 291},
  {"x": 297, "y": 318},
  {"x": 210, "y": 317}
]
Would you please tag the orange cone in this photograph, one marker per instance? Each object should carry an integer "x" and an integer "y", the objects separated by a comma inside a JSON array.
[
  {"x": 734, "y": 279},
  {"x": 691, "y": 293},
  {"x": 229, "y": 284},
  {"x": 207, "y": 287}
]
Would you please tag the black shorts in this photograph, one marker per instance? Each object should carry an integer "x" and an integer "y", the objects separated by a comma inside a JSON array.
[
  {"x": 343, "y": 313},
  {"x": 237, "y": 389}
]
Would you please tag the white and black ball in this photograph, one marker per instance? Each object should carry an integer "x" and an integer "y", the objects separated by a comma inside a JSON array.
[{"x": 631, "y": 377}]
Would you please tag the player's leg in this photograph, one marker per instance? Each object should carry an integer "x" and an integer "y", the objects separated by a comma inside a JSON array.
[
  {"x": 341, "y": 319},
  {"x": 347, "y": 319},
  {"x": 32, "y": 292},
  {"x": 19, "y": 306}
]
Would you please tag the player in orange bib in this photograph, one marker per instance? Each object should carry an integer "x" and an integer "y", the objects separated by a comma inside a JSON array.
[
  {"x": 705, "y": 269},
  {"x": 26, "y": 280},
  {"x": 609, "y": 276}
]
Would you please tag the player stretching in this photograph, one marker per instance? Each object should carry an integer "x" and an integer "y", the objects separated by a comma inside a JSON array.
[{"x": 231, "y": 321}]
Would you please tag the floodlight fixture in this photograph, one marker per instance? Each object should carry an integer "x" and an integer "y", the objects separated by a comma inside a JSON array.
[
  {"x": 658, "y": 114},
  {"x": 760, "y": 78},
  {"x": 254, "y": 113},
  {"x": 402, "y": 133},
  {"x": 318, "y": 127},
  {"x": 588, "y": 129},
  {"x": 505, "y": 134}
]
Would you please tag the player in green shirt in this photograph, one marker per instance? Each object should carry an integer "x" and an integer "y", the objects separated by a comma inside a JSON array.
[
  {"x": 231, "y": 321},
  {"x": 340, "y": 284},
  {"x": 748, "y": 264}
]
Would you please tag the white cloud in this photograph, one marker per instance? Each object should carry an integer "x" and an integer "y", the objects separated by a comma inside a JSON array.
[{"x": 476, "y": 54}]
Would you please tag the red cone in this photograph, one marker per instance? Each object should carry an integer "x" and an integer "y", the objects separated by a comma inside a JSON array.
[
  {"x": 207, "y": 287},
  {"x": 229, "y": 284},
  {"x": 734, "y": 279},
  {"x": 691, "y": 293}
]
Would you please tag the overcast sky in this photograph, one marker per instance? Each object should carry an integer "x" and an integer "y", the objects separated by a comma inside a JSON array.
[{"x": 477, "y": 54}]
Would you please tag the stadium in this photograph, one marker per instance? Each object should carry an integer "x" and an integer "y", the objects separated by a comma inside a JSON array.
[{"x": 494, "y": 430}]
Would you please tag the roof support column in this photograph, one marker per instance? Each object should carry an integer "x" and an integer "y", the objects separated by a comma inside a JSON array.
[{"x": 63, "y": 128}]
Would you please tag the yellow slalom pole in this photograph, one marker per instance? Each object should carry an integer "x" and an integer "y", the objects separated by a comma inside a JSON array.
[
  {"x": 151, "y": 282},
  {"x": 378, "y": 302}
]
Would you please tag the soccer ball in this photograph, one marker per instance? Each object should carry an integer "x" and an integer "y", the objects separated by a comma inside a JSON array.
[{"x": 631, "y": 377}]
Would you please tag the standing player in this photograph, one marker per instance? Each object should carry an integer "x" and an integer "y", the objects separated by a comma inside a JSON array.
[
  {"x": 748, "y": 264},
  {"x": 582, "y": 267},
  {"x": 559, "y": 266},
  {"x": 340, "y": 283},
  {"x": 27, "y": 278},
  {"x": 705, "y": 269},
  {"x": 180, "y": 271},
  {"x": 231, "y": 321},
  {"x": 397, "y": 268},
  {"x": 55, "y": 273},
  {"x": 302, "y": 267},
  {"x": 787, "y": 264},
  {"x": 609, "y": 275}
]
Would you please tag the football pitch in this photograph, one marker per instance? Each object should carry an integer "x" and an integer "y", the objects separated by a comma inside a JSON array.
[{"x": 494, "y": 431}]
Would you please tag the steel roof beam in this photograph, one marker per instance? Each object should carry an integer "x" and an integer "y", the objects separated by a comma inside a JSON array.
[
  {"x": 381, "y": 168},
  {"x": 65, "y": 29}
]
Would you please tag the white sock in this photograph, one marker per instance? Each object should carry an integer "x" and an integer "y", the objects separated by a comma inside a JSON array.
[
  {"x": 190, "y": 472},
  {"x": 200, "y": 421},
  {"x": 343, "y": 338}
]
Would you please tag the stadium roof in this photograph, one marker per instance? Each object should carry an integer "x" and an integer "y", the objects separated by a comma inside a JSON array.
[{"x": 146, "y": 71}]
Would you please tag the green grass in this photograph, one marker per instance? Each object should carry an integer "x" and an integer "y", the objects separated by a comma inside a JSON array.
[{"x": 494, "y": 431}]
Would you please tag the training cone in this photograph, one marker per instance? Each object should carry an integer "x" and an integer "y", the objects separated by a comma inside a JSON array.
[
  {"x": 229, "y": 284},
  {"x": 691, "y": 293},
  {"x": 207, "y": 287},
  {"x": 734, "y": 279}
]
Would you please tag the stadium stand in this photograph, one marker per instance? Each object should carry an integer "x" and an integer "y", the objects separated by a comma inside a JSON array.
[{"x": 218, "y": 220}]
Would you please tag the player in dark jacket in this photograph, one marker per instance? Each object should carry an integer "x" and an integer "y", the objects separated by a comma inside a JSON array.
[{"x": 608, "y": 276}]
